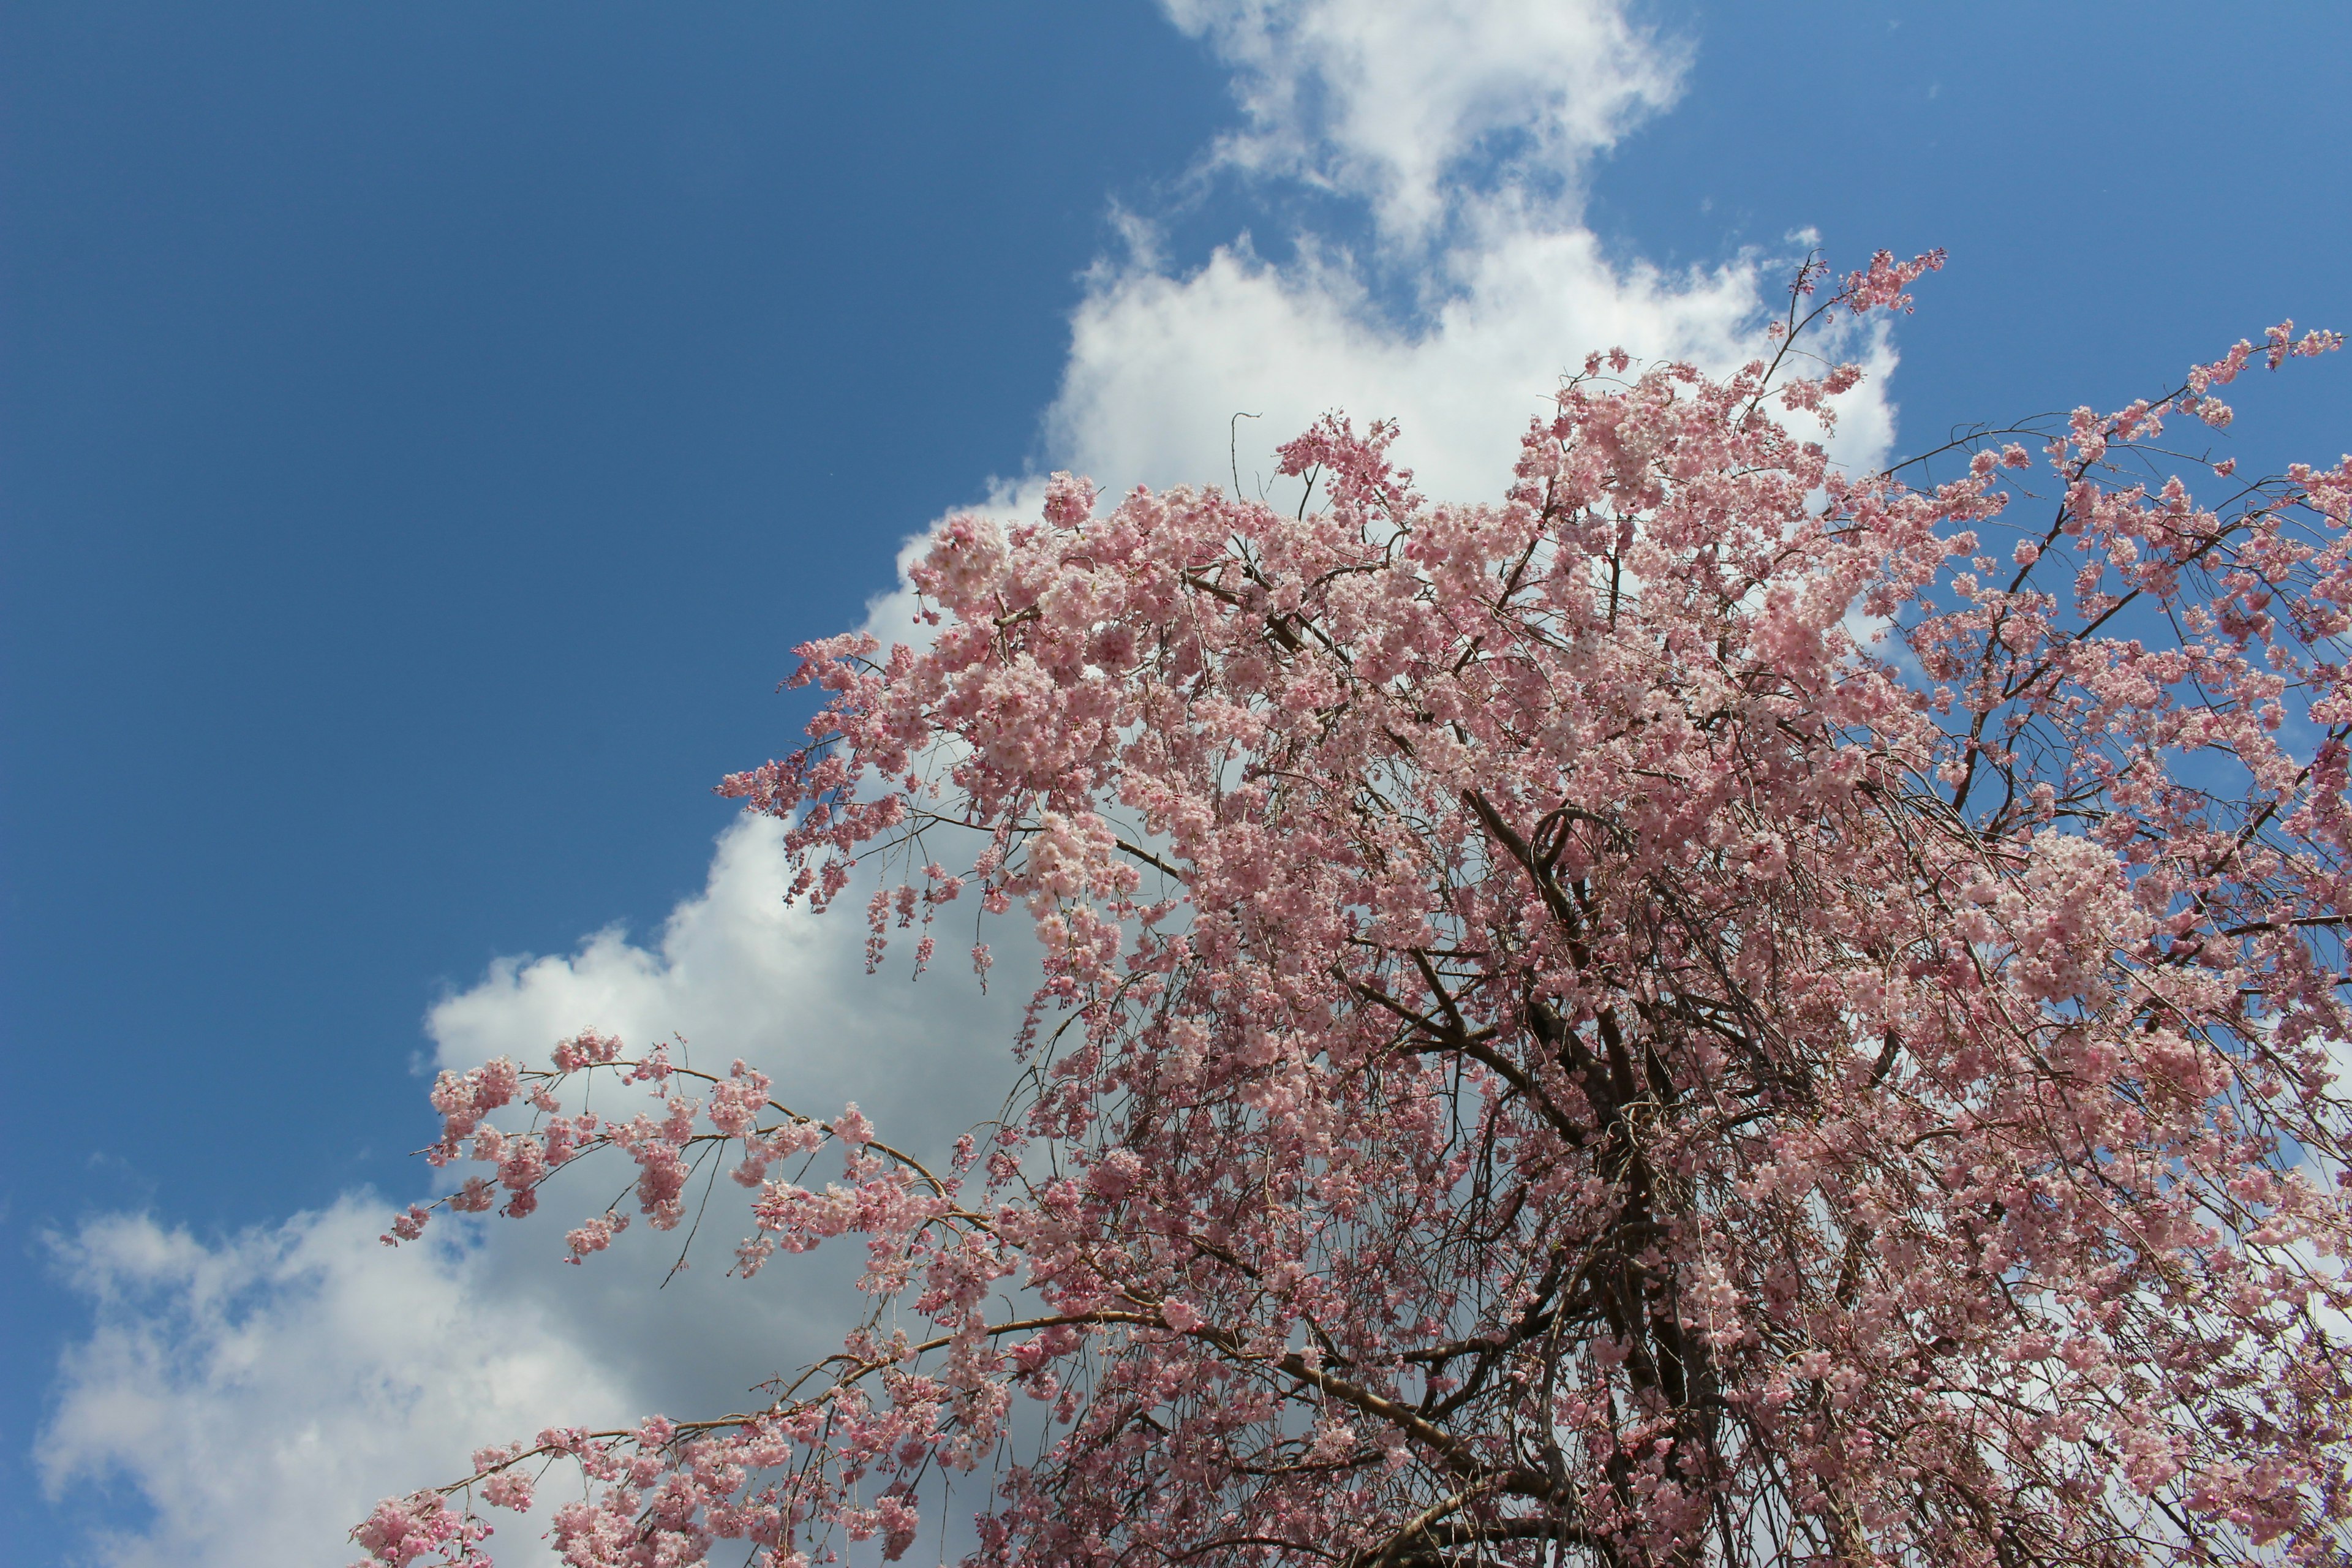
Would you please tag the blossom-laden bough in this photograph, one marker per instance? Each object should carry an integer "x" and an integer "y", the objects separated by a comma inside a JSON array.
[{"x": 1714, "y": 1011}]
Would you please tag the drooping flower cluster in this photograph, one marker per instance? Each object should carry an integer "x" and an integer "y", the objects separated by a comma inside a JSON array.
[{"x": 1707, "y": 1012}]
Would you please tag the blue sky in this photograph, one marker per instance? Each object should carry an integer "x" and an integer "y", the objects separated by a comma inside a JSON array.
[{"x": 425, "y": 430}]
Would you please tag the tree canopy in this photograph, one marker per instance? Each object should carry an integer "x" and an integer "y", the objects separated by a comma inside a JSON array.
[{"x": 1712, "y": 1009}]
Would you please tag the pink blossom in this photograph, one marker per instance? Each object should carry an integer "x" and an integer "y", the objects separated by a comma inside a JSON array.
[
  {"x": 852, "y": 1128},
  {"x": 1550, "y": 1047}
]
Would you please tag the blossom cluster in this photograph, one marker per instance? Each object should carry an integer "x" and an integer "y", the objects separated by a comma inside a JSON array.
[{"x": 1712, "y": 1009}]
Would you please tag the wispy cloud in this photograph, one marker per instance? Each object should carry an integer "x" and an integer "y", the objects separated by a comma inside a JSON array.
[{"x": 1425, "y": 110}]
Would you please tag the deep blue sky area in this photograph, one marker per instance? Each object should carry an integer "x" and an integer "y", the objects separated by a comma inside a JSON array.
[
  {"x": 2122, "y": 188},
  {"x": 425, "y": 429},
  {"x": 428, "y": 427}
]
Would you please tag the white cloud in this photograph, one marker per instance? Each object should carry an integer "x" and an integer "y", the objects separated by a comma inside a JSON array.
[
  {"x": 737, "y": 974},
  {"x": 1466, "y": 130},
  {"x": 262, "y": 1390},
  {"x": 1160, "y": 364},
  {"x": 1392, "y": 103}
]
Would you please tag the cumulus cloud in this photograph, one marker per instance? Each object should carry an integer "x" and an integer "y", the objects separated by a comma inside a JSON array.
[
  {"x": 1464, "y": 133},
  {"x": 261, "y": 1390},
  {"x": 258, "y": 1391},
  {"x": 1160, "y": 364},
  {"x": 737, "y": 974}
]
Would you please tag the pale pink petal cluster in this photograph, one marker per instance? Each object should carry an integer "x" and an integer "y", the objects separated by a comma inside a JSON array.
[{"x": 1550, "y": 1049}]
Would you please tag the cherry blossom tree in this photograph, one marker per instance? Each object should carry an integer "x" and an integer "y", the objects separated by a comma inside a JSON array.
[{"x": 1712, "y": 1010}]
